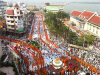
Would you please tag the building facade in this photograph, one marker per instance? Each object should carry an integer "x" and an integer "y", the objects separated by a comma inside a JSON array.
[
  {"x": 86, "y": 21},
  {"x": 2, "y": 12},
  {"x": 31, "y": 7},
  {"x": 55, "y": 8},
  {"x": 3, "y": 6},
  {"x": 93, "y": 25},
  {"x": 12, "y": 15}
]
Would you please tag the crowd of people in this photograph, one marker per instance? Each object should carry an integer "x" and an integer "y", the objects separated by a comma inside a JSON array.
[{"x": 87, "y": 56}]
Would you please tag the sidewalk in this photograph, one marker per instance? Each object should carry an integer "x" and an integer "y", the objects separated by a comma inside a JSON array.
[{"x": 73, "y": 28}]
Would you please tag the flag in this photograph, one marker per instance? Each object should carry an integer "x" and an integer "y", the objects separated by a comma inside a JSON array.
[{"x": 16, "y": 60}]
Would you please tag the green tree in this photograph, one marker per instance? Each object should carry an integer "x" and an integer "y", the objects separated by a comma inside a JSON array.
[
  {"x": 62, "y": 14},
  {"x": 89, "y": 39},
  {"x": 72, "y": 36},
  {"x": 45, "y": 10},
  {"x": 80, "y": 41},
  {"x": 0, "y": 18},
  {"x": 33, "y": 13}
]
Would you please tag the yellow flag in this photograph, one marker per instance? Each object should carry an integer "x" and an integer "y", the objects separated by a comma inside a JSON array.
[
  {"x": 16, "y": 60},
  {"x": 12, "y": 52},
  {"x": 14, "y": 56}
]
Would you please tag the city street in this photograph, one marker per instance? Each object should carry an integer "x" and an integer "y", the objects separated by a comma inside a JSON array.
[{"x": 50, "y": 49}]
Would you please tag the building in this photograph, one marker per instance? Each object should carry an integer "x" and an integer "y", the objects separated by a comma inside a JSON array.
[
  {"x": 74, "y": 18},
  {"x": 3, "y": 6},
  {"x": 88, "y": 21},
  {"x": 13, "y": 15},
  {"x": 1, "y": 52},
  {"x": 2, "y": 12},
  {"x": 93, "y": 25},
  {"x": 54, "y": 8},
  {"x": 31, "y": 7}
]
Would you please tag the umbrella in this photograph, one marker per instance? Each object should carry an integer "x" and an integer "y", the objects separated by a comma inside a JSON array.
[{"x": 44, "y": 51}]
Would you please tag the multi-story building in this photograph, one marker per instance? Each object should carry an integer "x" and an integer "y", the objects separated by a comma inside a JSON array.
[
  {"x": 12, "y": 16},
  {"x": 31, "y": 7},
  {"x": 2, "y": 12},
  {"x": 3, "y": 6},
  {"x": 55, "y": 8},
  {"x": 86, "y": 20}
]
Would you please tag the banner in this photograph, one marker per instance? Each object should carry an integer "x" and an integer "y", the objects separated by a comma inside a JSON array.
[{"x": 20, "y": 25}]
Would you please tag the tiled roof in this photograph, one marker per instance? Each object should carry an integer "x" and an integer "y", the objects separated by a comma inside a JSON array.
[
  {"x": 86, "y": 14},
  {"x": 95, "y": 20},
  {"x": 16, "y": 5},
  {"x": 10, "y": 12},
  {"x": 21, "y": 12},
  {"x": 75, "y": 13}
]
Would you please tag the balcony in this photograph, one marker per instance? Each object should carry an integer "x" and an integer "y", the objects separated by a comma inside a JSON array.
[
  {"x": 9, "y": 19},
  {"x": 9, "y": 23},
  {"x": 81, "y": 21}
]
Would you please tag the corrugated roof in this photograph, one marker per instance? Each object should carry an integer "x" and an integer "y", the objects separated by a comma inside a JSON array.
[
  {"x": 75, "y": 13},
  {"x": 10, "y": 12},
  {"x": 95, "y": 20}
]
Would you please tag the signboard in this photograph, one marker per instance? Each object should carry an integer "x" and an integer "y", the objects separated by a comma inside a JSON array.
[
  {"x": 52, "y": 7},
  {"x": 20, "y": 25}
]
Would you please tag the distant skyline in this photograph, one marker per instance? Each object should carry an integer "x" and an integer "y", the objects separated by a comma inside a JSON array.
[{"x": 32, "y": 1}]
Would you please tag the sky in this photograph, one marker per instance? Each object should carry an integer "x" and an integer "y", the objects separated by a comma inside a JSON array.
[{"x": 30, "y": 1}]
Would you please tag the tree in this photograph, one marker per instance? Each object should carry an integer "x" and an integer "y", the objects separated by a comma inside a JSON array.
[
  {"x": 62, "y": 14},
  {"x": 0, "y": 18},
  {"x": 45, "y": 10},
  {"x": 89, "y": 39},
  {"x": 80, "y": 41},
  {"x": 33, "y": 13},
  {"x": 72, "y": 36}
]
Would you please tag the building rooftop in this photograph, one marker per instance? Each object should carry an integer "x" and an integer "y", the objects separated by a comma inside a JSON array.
[
  {"x": 95, "y": 20},
  {"x": 75, "y": 13},
  {"x": 10, "y": 12},
  {"x": 16, "y": 5},
  {"x": 55, "y": 5},
  {"x": 86, "y": 14}
]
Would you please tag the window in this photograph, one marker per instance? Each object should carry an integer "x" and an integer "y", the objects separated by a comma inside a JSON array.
[
  {"x": 93, "y": 30},
  {"x": 90, "y": 28},
  {"x": 11, "y": 16},
  {"x": 18, "y": 17},
  {"x": 15, "y": 16},
  {"x": 8, "y": 21},
  {"x": 12, "y": 21},
  {"x": 17, "y": 12},
  {"x": 8, "y": 25},
  {"x": 13, "y": 26},
  {"x": 17, "y": 8},
  {"x": 7, "y": 16},
  {"x": 21, "y": 16}
]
